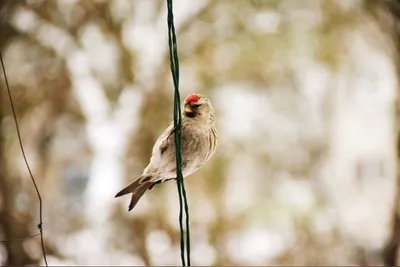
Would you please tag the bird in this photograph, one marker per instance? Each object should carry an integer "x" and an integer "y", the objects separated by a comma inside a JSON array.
[{"x": 199, "y": 142}]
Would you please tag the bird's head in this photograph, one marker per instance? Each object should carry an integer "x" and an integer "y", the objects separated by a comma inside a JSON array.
[{"x": 198, "y": 107}]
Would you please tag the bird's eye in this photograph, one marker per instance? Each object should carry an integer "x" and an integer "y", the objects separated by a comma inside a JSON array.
[{"x": 195, "y": 106}]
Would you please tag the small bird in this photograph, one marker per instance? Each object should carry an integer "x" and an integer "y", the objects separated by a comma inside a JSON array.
[{"x": 199, "y": 141}]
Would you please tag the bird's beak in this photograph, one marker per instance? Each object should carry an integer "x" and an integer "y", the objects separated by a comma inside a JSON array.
[{"x": 188, "y": 109}]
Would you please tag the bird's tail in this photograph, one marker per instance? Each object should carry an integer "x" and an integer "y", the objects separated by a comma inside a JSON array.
[{"x": 138, "y": 187}]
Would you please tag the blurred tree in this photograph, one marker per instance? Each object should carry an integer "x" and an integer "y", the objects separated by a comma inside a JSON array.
[
  {"x": 93, "y": 91},
  {"x": 388, "y": 16},
  {"x": 12, "y": 229}
]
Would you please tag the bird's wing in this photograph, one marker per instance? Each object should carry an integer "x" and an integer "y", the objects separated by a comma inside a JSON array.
[
  {"x": 160, "y": 146},
  {"x": 163, "y": 140}
]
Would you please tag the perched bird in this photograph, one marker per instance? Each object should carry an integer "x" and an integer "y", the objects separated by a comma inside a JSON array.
[{"x": 199, "y": 140}]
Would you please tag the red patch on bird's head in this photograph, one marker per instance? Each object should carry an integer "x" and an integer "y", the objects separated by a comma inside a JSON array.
[{"x": 192, "y": 98}]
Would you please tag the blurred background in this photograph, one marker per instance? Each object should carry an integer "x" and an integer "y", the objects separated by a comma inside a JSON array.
[{"x": 305, "y": 93}]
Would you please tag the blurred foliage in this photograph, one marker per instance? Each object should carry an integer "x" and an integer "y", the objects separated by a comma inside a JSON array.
[{"x": 266, "y": 174}]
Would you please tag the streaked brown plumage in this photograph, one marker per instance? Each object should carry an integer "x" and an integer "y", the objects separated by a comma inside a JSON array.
[{"x": 199, "y": 140}]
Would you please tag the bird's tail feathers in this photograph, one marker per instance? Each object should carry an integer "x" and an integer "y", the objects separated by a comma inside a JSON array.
[
  {"x": 138, "y": 193},
  {"x": 138, "y": 187}
]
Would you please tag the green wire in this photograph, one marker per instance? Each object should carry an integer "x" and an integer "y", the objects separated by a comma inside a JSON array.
[{"x": 174, "y": 63}]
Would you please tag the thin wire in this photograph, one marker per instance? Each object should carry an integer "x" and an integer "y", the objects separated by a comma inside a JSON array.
[
  {"x": 178, "y": 106},
  {"x": 40, "y": 225},
  {"x": 177, "y": 126},
  {"x": 187, "y": 225},
  {"x": 174, "y": 64}
]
